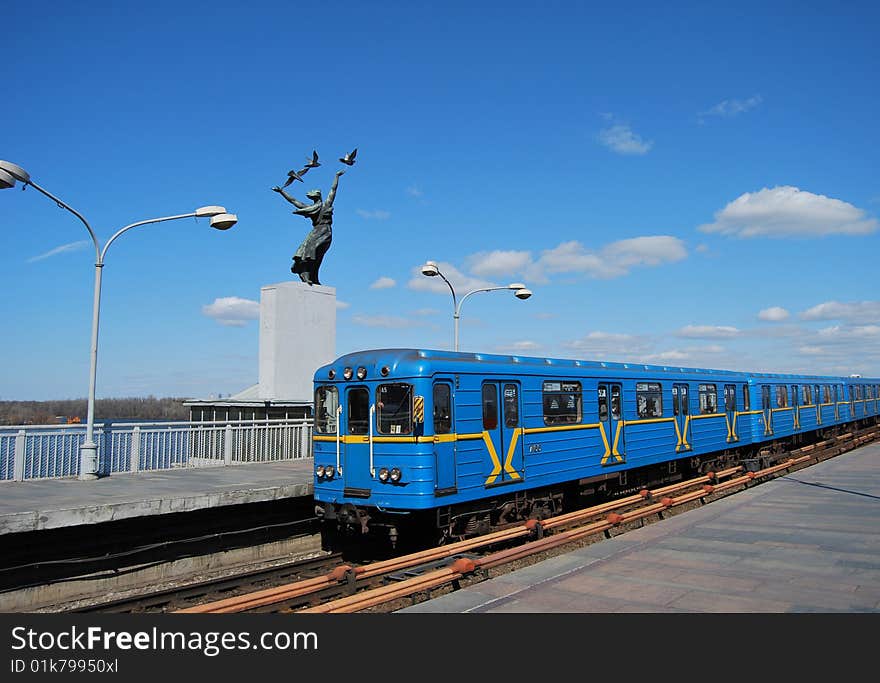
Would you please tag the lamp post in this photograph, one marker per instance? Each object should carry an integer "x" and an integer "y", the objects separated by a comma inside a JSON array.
[
  {"x": 220, "y": 220},
  {"x": 430, "y": 269}
]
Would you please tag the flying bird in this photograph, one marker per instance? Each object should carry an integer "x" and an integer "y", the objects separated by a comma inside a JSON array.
[
  {"x": 293, "y": 175},
  {"x": 348, "y": 159},
  {"x": 311, "y": 163}
]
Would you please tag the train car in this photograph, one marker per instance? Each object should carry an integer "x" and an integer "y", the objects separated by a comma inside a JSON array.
[{"x": 460, "y": 442}]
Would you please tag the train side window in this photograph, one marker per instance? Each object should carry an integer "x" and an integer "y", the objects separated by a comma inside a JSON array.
[
  {"x": 326, "y": 405},
  {"x": 794, "y": 394},
  {"x": 358, "y": 410},
  {"x": 708, "y": 399},
  {"x": 562, "y": 402},
  {"x": 765, "y": 396},
  {"x": 674, "y": 400},
  {"x": 649, "y": 399},
  {"x": 729, "y": 397},
  {"x": 781, "y": 396},
  {"x": 808, "y": 395},
  {"x": 603, "y": 404},
  {"x": 869, "y": 391},
  {"x": 511, "y": 405},
  {"x": 442, "y": 408},
  {"x": 747, "y": 403},
  {"x": 615, "y": 402},
  {"x": 826, "y": 398},
  {"x": 490, "y": 406}
]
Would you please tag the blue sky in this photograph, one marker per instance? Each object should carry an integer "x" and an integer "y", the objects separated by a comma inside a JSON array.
[{"x": 684, "y": 184}]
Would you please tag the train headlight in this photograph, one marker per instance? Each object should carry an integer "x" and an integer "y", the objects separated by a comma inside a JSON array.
[
  {"x": 395, "y": 474},
  {"x": 346, "y": 373},
  {"x": 361, "y": 373},
  {"x": 383, "y": 474},
  {"x": 319, "y": 471},
  {"x": 332, "y": 373},
  {"x": 329, "y": 471}
]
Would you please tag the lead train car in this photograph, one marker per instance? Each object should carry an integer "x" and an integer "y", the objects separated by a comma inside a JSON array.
[{"x": 463, "y": 441}]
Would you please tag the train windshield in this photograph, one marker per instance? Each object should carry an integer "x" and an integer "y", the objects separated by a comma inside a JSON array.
[
  {"x": 394, "y": 408},
  {"x": 326, "y": 405}
]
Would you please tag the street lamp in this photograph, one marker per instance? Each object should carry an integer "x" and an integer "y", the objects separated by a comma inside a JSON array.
[
  {"x": 220, "y": 220},
  {"x": 430, "y": 269}
]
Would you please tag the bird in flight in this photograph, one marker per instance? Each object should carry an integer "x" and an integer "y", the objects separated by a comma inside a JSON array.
[
  {"x": 348, "y": 159},
  {"x": 311, "y": 163},
  {"x": 293, "y": 175}
]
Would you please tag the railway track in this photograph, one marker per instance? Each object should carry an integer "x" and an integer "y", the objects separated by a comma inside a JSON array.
[{"x": 374, "y": 586}]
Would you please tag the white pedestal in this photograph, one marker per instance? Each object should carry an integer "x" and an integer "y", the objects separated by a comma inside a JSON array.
[{"x": 297, "y": 336}]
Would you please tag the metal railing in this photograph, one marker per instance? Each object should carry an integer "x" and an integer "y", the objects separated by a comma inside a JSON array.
[{"x": 47, "y": 451}]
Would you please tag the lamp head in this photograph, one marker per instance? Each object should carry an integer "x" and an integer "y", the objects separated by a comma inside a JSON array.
[
  {"x": 210, "y": 211},
  {"x": 523, "y": 293},
  {"x": 430, "y": 269},
  {"x": 10, "y": 172},
  {"x": 516, "y": 285},
  {"x": 224, "y": 221}
]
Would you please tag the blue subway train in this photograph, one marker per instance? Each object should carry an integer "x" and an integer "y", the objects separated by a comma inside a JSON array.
[{"x": 462, "y": 442}]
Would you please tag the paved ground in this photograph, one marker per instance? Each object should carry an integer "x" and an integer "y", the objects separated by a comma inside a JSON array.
[
  {"x": 806, "y": 542},
  {"x": 54, "y": 503}
]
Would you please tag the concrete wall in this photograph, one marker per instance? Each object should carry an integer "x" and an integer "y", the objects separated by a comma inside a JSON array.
[{"x": 297, "y": 336}]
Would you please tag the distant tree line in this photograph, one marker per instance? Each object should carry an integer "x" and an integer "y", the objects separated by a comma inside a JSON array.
[{"x": 138, "y": 408}]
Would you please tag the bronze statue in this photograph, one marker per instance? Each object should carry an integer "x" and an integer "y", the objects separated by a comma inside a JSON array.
[{"x": 310, "y": 253}]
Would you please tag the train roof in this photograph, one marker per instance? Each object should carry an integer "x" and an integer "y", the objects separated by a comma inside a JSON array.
[{"x": 419, "y": 361}]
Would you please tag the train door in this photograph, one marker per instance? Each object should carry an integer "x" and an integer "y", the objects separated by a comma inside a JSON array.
[
  {"x": 356, "y": 417},
  {"x": 502, "y": 431},
  {"x": 730, "y": 411},
  {"x": 767, "y": 409},
  {"x": 796, "y": 406},
  {"x": 682, "y": 413},
  {"x": 836, "y": 403},
  {"x": 818, "y": 398},
  {"x": 611, "y": 423},
  {"x": 444, "y": 437}
]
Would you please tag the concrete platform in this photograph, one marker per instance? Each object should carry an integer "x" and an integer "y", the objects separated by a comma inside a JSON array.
[
  {"x": 805, "y": 542},
  {"x": 56, "y": 503}
]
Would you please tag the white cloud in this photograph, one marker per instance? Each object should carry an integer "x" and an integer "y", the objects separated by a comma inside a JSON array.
[
  {"x": 858, "y": 311},
  {"x": 708, "y": 332},
  {"x": 839, "y": 332},
  {"x": 773, "y": 314},
  {"x": 672, "y": 354},
  {"x": 425, "y": 312},
  {"x": 608, "y": 345},
  {"x": 622, "y": 139},
  {"x": 63, "y": 249},
  {"x": 342, "y": 305},
  {"x": 524, "y": 346},
  {"x": 232, "y": 311},
  {"x": 414, "y": 191},
  {"x": 812, "y": 350},
  {"x": 377, "y": 214},
  {"x": 383, "y": 283},
  {"x": 614, "y": 259},
  {"x": 787, "y": 211},
  {"x": 498, "y": 263},
  {"x": 386, "y": 321},
  {"x": 702, "y": 248},
  {"x": 733, "y": 107}
]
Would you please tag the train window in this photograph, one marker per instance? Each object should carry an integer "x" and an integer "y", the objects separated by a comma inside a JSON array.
[
  {"x": 358, "y": 410},
  {"x": 511, "y": 405},
  {"x": 826, "y": 397},
  {"x": 747, "y": 403},
  {"x": 729, "y": 397},
  {"x": 615, "y": 402},
  {"x": 808, "y": 395},
  {"x": 675, "y": 399},
  {"x": 708, "y": 399},
  {"x": 649, "y": 399},
  {"x": 562, "y": 402},
  {"x": 442, "y": 408},
  {"x": 765, "y": 396},
  {"x": 326, "y": 404},
  {"x": 603, "y": 404},
  {"x": 394, "y": 408},
  {"x": 794, "y": 394},
  {"x": 781, "y": 396},
  {"x": 490, "y": 406},
  {"x": 869, "y": 393},
  {"x": 818, "y": 394}
]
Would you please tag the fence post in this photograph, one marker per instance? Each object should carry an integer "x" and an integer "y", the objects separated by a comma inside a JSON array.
[
  {"x": 227, "y": 446},
  {"x": 135, "y": 462},
  {"x": 19, "y": 456}
]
